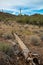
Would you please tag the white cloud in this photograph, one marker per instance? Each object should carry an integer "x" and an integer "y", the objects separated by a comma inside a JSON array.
[
  {"x": 12, "y": 4},
  {"x": 29, "y": 3}
]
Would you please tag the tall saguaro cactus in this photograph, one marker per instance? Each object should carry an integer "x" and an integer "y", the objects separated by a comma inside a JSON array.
[{"x": 20, "y": 11}]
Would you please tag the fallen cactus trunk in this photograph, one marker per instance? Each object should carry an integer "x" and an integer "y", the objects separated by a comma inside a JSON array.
[{"x": 30, "y": 57}]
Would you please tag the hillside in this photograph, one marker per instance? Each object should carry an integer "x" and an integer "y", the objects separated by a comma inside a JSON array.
[
  {"x": 30, "y": 33},
  {"x": 36, "y": 19}
]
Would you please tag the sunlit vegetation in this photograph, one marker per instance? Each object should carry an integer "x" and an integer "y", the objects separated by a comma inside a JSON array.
[
  {"x": 36, "y": 19},
  {"x": 4, "y": 46}
]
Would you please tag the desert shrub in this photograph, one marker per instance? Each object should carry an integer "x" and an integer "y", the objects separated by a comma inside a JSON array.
[
  {"x": 23, "y": 19},
  {"x": 35, "y": 40},
  {"x": 7, "y": 36},
  {"x": 7, "y": 49},
  {"x": 41, "y": 37},
  {"x": 1, "y": 33},
  {"x": 10, "y": 52},
  {"x": 20, "y": 21},
  {"x": 4, "y": 46}
]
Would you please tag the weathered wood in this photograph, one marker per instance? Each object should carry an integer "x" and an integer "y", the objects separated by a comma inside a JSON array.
[
  {"x": 25, "y": 50},
  {"x": 12, "y": 42}
]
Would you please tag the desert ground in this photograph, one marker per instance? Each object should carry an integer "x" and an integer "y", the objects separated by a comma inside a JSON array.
[{"x": 27, "y": 33}]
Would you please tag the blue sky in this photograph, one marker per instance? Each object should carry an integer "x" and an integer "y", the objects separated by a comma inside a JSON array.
[{"x": 27, "y": 6}]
